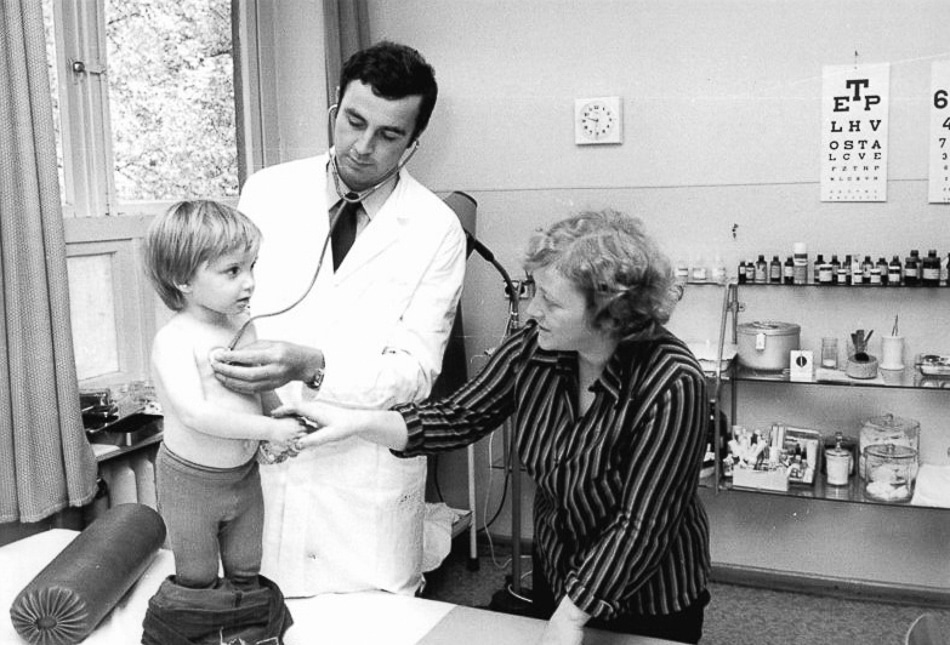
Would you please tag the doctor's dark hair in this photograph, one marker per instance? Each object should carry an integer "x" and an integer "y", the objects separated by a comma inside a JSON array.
[
  {"x": 186, "y": 236},
  {"x": 394, "y": 71},
  {"x": 625, "y": 278}
]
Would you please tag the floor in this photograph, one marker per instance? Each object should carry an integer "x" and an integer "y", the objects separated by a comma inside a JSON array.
[{"x": 737, "y": 615}]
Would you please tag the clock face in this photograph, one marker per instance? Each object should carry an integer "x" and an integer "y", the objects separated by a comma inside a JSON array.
[{"x": 597, "y": 120}]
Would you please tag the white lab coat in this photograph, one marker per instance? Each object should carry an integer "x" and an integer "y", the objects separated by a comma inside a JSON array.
[{"x": 349, "y": 517}]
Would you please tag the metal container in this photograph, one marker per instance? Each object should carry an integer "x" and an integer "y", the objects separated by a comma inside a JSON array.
[
  {"x": 887, "y": 429},
  {"x": 765, "y": 344},
  {"x": 891, "y": 472}
]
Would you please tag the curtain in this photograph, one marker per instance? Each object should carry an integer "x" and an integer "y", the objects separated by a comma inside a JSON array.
[
  {"x": 45, "y": 461},
  {"x": 346, "y": 30}
]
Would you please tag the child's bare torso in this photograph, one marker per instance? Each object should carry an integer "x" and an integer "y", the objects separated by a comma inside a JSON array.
[{"x": 185, "y": 334}]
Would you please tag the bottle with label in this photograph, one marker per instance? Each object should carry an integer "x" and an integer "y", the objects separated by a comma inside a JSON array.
[
  {"x": 912, "y": 269},
  {"x": 895, "y": 272},
  {"x": 719, "y": 271},
  {"x": 800, "y": 256},
  {"x": 788, "y": 271},
  {"x": 857, "y": 270},
  {"x": 826, "y": 276},
  {"x": 882, "y": 269},
  {"x": 816, "y": 270},
  {"x": 835, "y": 267},
  {"x": 775, "y": 270},
  {"x": 741, "y": 272},
  {"x": 945, "y": 270},
  {"x": 866, "y": 267},
  {"x": 699, "y": 273},
  {"x": 846, "y": 269},
  {"x": 750, "y": 271},
  {"x": 761, "y": 270},
  {"x": 930, "y": 269}
]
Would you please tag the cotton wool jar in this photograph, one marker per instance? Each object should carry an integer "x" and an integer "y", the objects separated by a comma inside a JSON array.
[{"x": 887, "y": 429}]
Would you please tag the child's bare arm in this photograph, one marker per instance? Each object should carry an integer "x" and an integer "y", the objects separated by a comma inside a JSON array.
[{"x": 176, "y": 367}]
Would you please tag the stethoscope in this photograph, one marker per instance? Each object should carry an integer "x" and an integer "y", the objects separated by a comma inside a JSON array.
[{"x": 350, "y": 197}]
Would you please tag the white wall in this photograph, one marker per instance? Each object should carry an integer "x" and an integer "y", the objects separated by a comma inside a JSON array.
[{"x": 721, "y": 131}]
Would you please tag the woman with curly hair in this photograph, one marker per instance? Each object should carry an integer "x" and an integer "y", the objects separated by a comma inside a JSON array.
[{"x": 609, "y": 411}]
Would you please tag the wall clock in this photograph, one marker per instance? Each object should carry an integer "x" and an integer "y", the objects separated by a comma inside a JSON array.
[{"x": 598, "y": 120}]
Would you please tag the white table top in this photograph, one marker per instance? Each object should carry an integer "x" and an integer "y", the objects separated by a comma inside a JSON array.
[{"x": 341, "y": 619}]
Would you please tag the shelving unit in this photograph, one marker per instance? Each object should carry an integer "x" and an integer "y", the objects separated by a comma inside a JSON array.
[{"x": 821, "y": 537}]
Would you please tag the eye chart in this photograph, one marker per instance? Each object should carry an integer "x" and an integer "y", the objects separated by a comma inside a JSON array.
[
  {"x": 940, "y": 132},
  {"x": 854, "y": 102}
]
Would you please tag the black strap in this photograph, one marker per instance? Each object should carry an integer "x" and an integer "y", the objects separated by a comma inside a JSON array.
[{"x": 344, "y": 233}]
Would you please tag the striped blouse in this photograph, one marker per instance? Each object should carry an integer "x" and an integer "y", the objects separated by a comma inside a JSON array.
[{"x": 618, "y": 523}]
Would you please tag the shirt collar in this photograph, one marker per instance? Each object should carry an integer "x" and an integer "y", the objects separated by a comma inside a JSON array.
[
  {"x": 611, "y": 379},
  {"x": 373, "y": 203}
]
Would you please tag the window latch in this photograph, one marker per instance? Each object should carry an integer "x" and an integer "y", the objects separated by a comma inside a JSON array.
[{"x": 80, "y": 67}]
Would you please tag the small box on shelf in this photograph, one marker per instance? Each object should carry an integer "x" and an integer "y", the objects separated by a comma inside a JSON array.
[{"x": 775, "y": 479}]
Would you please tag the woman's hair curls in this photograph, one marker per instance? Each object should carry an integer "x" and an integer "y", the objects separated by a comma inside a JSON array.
[{"x": 626, "y": 279}]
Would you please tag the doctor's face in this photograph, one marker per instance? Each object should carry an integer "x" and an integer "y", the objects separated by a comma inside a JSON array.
[{"x": 371, "y": 133}]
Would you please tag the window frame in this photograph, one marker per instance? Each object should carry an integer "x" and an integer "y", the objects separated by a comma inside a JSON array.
[{"x": 95, "y": 221}]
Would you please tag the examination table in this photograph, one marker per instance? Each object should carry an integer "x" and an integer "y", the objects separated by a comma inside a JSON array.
[{"x": 367, "y": 618}]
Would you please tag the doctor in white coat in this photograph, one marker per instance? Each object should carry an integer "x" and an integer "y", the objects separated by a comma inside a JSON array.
[{"x": 369, "y": 334}]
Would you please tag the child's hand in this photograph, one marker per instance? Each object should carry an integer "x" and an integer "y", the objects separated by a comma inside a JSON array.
[{"x": 285, "y": 430}]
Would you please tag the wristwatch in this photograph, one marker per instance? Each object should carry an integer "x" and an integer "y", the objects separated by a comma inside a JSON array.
[{"x": 315, "y": 381}]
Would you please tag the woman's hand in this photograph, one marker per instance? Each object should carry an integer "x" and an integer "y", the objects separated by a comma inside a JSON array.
[
  {"x": 335, "y": 423},
  {"x": 566, "y": 626}
]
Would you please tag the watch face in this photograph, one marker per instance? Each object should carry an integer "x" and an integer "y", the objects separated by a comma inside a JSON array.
[{"x": 597, "y": 120}]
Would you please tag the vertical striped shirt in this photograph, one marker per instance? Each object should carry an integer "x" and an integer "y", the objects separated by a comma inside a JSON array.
[{"x": 618, "y": 523}]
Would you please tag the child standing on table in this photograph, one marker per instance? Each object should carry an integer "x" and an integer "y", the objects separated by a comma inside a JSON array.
[{"x": 200, "y": 258}]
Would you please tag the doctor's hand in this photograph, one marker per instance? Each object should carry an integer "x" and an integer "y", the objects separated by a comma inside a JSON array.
[{"x": 264, "y": 365}]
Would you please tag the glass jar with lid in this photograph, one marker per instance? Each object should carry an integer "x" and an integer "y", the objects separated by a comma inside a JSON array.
[
  {"x": 891, "y": 472},
  {"x": 885, "y": 429}
]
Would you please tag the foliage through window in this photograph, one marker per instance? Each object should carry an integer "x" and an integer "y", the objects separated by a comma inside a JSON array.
[{"x": 157, "y": 78}]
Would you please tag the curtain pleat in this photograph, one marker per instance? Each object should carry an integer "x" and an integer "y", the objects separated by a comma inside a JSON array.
[
  {"x": 46, "y": 463},
  {"x": 346, "y": 30}
]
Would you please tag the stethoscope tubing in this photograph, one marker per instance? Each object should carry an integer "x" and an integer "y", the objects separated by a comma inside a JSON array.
[{"x": 347, "y": 196}]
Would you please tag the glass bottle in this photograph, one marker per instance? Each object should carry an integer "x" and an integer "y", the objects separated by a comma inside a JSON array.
[
  {"x": 846, "y": 269},
  {"x": 788, "y": 271},
  {"x": 775, "y": 270},
  {"x": 761, "y": 270},
  {"x": 895, "y": 272},
  {"x": 741, "y": 272},
  {"x": 882, "y": 268},
  {"x": 835, "y": 267},
  {"x": 750, "y": 271},
  {"x": 912, "y": 269},
  {"x": 816, "y": 271},
  {"x": 857, "y": 270},
  {"x": 930, "y": 269}
]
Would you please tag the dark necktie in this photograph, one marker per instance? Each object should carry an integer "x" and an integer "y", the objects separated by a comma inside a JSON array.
[{"x": 344, "y": 233}]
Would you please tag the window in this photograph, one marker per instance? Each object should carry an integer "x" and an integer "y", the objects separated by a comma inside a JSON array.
[
  {"x": 145, "y": 99},
  {"x": 143, "y": 94}
]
